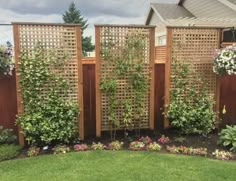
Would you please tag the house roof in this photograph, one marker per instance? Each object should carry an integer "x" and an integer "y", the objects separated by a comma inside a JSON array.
[
  {"x": 232, "y": 1},
  {"x": 168, "y": 11}
]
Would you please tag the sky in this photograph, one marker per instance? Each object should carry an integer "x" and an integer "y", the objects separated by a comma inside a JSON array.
[{"x": 95, "y": 11}]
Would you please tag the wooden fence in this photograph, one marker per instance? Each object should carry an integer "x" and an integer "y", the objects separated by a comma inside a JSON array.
[{"x": 8, "y": 106}]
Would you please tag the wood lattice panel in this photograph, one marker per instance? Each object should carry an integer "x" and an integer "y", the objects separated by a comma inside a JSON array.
[
  {"x": 62, "y": 39},
  {"x": 117, "y": 35},
  {"x": 196, "y": 47}
]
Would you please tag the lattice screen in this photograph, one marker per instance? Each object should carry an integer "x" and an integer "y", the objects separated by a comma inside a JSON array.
[
  {"x": 63, "y": 39},
  {"x": 117, "y": 35},
  {"x": 196, "y": 47}
]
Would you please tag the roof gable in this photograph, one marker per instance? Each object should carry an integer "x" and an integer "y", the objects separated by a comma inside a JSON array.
[{"x": 167, "y": 11}]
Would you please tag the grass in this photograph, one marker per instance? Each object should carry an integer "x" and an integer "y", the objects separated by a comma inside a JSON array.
[{"x": 120, "y": 165}]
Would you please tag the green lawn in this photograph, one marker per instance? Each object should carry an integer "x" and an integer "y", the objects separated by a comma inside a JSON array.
[{"x": 120, "y": 165}]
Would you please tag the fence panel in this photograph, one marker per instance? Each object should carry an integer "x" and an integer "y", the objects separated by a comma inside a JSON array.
[
  {"x": 118, "y": 35},
  {"x": 62, "y": 38}
]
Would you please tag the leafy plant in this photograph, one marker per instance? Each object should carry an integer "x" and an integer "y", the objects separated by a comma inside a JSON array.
[
  {"x": 187, "y": 150},
  {"x": 33, "y": 151},
  {"x": 115, "y": 145},
  {"x": 146, "y": 140},
  {"x": 153, "y": 147},
  {"x": 7, "y": 136},
  {"x": 137, "y": 146},
  {"x": 9, "y": 151},
  {"x": 60, "y": 149},
  {"x": 190, "y": 110},
  {"x": 163, "y": 139},
  {"x": 49, "y": 115},
  {"x": 228, "y": 137},
  {"x": 80, "y": 147},
  {"x": 180, "y": 139},
  {"x": 98, "y": 146},
  {"x": 222, "y": 155}
]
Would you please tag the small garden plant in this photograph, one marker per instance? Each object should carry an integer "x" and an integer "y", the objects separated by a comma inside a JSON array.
[
  {"x": 80, "y": 147},
  {"x": 153, "y": 147},
  {"x": 98, "y": 146},
  {"x": 222, "y": 155},
  {"x": 115, "y": 145},
  {"x": 163, "y": 139},
  {"x": 187, "y": 150},
  {"x": 60, "y": 149},
  {"x": 33, "y": 151},
  {"x": 137, "y": 146},
  {"x": 7, "y": 136},
  {"x": 146, "y": 140},
  {"x": 228, "y": 137}
]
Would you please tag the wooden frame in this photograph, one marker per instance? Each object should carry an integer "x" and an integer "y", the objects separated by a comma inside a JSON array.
[{"x": 149, "y": 30}]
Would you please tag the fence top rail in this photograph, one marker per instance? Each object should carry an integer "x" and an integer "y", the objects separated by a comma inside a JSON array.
[
  {"x": 122, "y": 25},
  {"x": 197, "y": 27},
  {"x": 46, "y": 24}
]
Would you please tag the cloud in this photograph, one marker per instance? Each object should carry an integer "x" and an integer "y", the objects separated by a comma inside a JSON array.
[{"x": 96, "y": 11}]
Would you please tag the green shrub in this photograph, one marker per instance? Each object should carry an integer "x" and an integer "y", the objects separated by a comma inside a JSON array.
[
  {"x": 49, "y": 114},
  {"x": 190, "y": 108},
  {"x": 9, "y": 151},
  {"x": 228, "y": 137},
  {"x": 6, "y": 135}
]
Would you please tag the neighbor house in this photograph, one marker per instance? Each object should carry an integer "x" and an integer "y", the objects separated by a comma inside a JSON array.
[{"x": 187, "y": 10}]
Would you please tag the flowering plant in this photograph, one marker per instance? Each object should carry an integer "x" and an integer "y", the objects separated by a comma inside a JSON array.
[
  {"x": 33, "y": 151},
  {"x": 187, "y": 150},
  {"x": 225, "y": 61},
  {"x": 80, "y": 147},
  {"x": 6, "y": 65},
  {"x": 222, "y": 155},
  {"x": 146, "y": 140},
  {"x": 60, "y": 149},
  {"x": 163, "y": 139},
  {"x": 136, "y": 146},
  {"x": 153, "y": 147},
  {"x": 98, "y": 146},
  {"x": 115, "y": 145}
]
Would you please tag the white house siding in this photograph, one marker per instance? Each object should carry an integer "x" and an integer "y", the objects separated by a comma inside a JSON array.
[
  {"x": 209, "y": 8},
  {"x": 154, "y": 19}
]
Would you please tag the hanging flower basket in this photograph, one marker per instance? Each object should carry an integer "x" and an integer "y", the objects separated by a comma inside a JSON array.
[{"x": 225, "y": 61}]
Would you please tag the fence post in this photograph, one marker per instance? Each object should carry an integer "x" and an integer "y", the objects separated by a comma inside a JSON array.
[
  {"x": 97, "y": 81},
  {"x": 19, "y": 98}
]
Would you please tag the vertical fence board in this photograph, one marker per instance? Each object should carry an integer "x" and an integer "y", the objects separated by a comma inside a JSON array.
[
  {"x": 228, "y": 99},
  {"x": 159, "y": 95},
  {"x": 89, "y": 99}
]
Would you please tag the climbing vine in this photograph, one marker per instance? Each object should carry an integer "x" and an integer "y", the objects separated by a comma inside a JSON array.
[
  {"x": 128, "y": 63},
  {"x": 49, "y": 115}
]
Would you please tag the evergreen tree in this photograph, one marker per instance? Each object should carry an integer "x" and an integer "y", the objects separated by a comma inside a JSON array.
[{"x": 73, "y": 15}]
